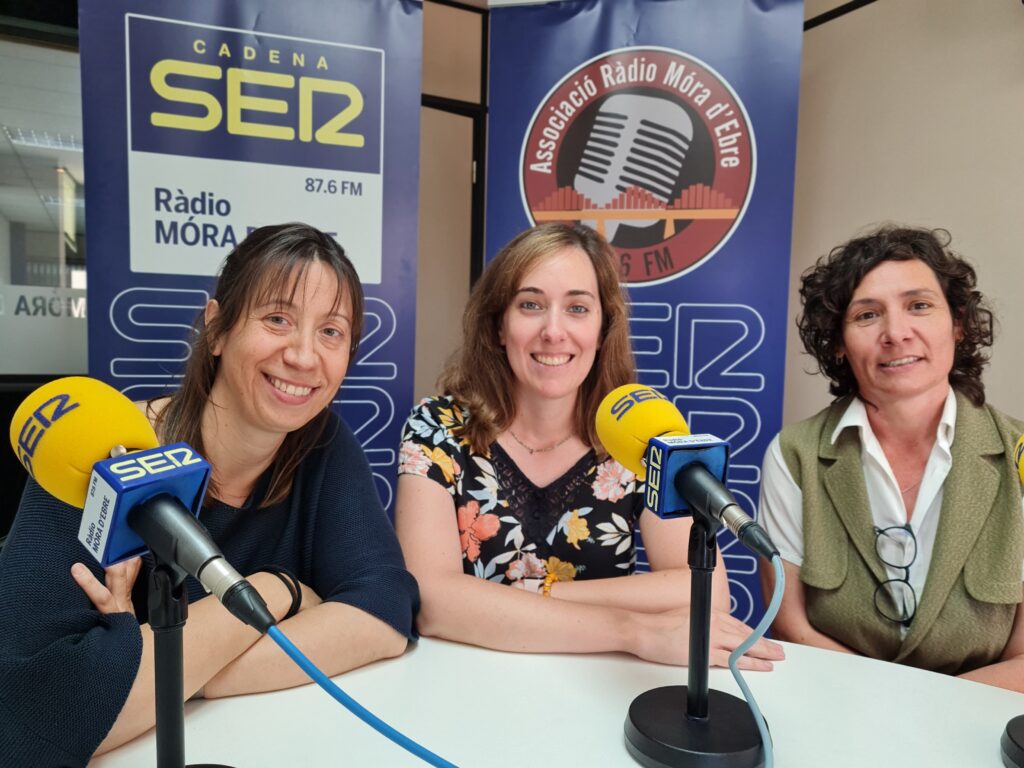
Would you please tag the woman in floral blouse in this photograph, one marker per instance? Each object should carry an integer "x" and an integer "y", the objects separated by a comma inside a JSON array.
[{"x": 503, "y": 483}]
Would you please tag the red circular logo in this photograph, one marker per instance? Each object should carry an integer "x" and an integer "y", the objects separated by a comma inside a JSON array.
[{"x": 649, "y": 146}]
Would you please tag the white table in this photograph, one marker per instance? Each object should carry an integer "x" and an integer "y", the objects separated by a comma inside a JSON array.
[{"x": 476, "y": 707}]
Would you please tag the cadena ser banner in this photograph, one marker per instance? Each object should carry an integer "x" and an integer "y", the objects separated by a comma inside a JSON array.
[
  {"x": 205, "y": 119},
  {"x": 670, "y": 127}
]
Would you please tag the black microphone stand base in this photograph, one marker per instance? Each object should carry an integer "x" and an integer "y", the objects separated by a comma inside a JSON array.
[
  {"x": 660, "y": 735},
  {"x": 1012, "y": 743}
]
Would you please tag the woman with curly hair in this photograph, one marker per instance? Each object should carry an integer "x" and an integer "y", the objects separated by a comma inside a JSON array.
[
  {"x": 514, "y": 520},
  {"x": 898, "y": 508}
]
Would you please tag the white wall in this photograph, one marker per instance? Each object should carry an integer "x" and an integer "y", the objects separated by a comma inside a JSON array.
[
  {"x": 442, "y": 276},
  {"x": 451, "y": 69},
  {"x": 913, "y": 111},
  {"x": 5, "y": 250}
]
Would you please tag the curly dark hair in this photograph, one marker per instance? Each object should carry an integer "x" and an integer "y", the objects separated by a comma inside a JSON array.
[{"x": 827, "y": 288}]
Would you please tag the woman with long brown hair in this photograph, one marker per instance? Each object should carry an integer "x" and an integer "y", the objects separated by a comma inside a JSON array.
[
  {"x": 516, "y": 523},
  {"x": 291, "y": 504}
]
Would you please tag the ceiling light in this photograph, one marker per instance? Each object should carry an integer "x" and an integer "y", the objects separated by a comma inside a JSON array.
[
  {"x": 55, "y": 200},
  {"x": 43, "y": 139}
]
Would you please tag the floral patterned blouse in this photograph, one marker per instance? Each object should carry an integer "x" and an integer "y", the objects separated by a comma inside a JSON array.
[{"x": 579, "y": 526}]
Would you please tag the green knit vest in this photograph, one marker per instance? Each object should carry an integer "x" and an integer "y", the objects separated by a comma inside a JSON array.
[{"x": 966, "y": 612}]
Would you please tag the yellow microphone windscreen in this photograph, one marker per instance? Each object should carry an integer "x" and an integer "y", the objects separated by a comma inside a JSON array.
[
  {"x": 67, "y": 425},
  {"x": 629, "y": 416},
  {"x": 1018, "y": 456}
]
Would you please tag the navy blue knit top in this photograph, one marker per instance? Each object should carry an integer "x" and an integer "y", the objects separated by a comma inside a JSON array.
[{"x": 66, "y": 669}]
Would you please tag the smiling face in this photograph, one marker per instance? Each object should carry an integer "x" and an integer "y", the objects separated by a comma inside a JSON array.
[
  {"x": 898, "y": 333},
  {"x": 283, "y": 361},
  {"x": 551, "y": 330}
]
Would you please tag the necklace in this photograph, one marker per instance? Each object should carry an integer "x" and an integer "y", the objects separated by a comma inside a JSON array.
[
  {"x": 909, "y": 488},
  {"x": 532, "y": 451}
]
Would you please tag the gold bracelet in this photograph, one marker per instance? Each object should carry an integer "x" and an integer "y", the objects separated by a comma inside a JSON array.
[{"x": 550, "y": 579}]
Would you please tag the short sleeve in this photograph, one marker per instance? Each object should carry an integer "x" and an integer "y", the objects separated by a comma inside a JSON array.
[
  {"x": 429, "y": 447},
  {"x": 780, "y": 511},
  {"x": 356, "y": 556}
]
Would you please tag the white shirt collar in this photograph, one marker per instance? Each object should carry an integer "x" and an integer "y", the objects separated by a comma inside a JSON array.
[{"x": 856, "y": 415}]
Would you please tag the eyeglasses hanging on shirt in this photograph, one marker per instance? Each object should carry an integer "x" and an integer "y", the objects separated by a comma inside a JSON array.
[{"x": 895, "y": 599}]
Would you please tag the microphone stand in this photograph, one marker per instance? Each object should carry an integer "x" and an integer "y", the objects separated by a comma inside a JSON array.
[
  {"x": 168, "y": 610},
  {"x": 1011, "y": 744},
  {"x": 671, "y": 726}
]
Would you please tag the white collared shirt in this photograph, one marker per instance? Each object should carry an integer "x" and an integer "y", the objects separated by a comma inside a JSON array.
[{"x": 781, "y": 506}]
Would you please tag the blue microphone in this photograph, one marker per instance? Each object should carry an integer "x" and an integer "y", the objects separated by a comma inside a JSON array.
[
  {"x": 138, "y": 501},
  {"x": 684, "y": 473},
  {"x": 149, "y": 500},
  {"x": 693, "y": 480},
  {"x": 119, "y": 485},
  {"x": 665, "y": 456}
]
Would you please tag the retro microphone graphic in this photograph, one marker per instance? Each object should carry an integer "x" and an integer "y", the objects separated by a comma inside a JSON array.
[{"x": 635, "y": 141}]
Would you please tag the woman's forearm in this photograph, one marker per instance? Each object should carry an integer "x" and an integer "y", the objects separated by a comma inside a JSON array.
[
  {"x": 211, "y": 639},
  {"x": 464, "y": 608},
  {"x": 467, "y": 609},
  {"x": 336, "y": 637},
  {"x": 646, "y": 592},
  {"x": 1008, "y": 674}
]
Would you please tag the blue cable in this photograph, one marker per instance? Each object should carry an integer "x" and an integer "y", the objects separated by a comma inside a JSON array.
[
  {"x": 734, "y": 657},
  {"x": 354, "y": 706}
]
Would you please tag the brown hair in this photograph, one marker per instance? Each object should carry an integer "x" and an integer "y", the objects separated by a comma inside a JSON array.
[
  {"x": 827, "y": 288},
  {"x": 478, "y": 375},
  {"x": 269, "y": 264}
]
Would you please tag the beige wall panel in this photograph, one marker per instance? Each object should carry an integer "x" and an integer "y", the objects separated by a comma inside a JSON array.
[
  {"x": 814, "y": 8},
  {"x": 912, "y": 111},
  {"x": 451, "y": 52},
  {"x": 442, "y": 276}
]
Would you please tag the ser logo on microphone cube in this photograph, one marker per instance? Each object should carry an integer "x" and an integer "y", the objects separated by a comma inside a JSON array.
[
  {"x": 666, "y": 456},
  {"x": 136, "y": 466},
  {"x": 655, "y": 453},
  {"x": 120, "y": 483}
]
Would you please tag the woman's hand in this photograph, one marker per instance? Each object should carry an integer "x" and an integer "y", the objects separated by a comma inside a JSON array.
[
  {"x": 116, "y": 595},
  {"x": 727, "y": 633},
  {"x": 665, "y": 637}
]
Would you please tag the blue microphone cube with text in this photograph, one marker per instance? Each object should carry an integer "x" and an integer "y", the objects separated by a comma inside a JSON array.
[
  {"x": 665, "y": 456},
  {"x": 118, "y": 484}
]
